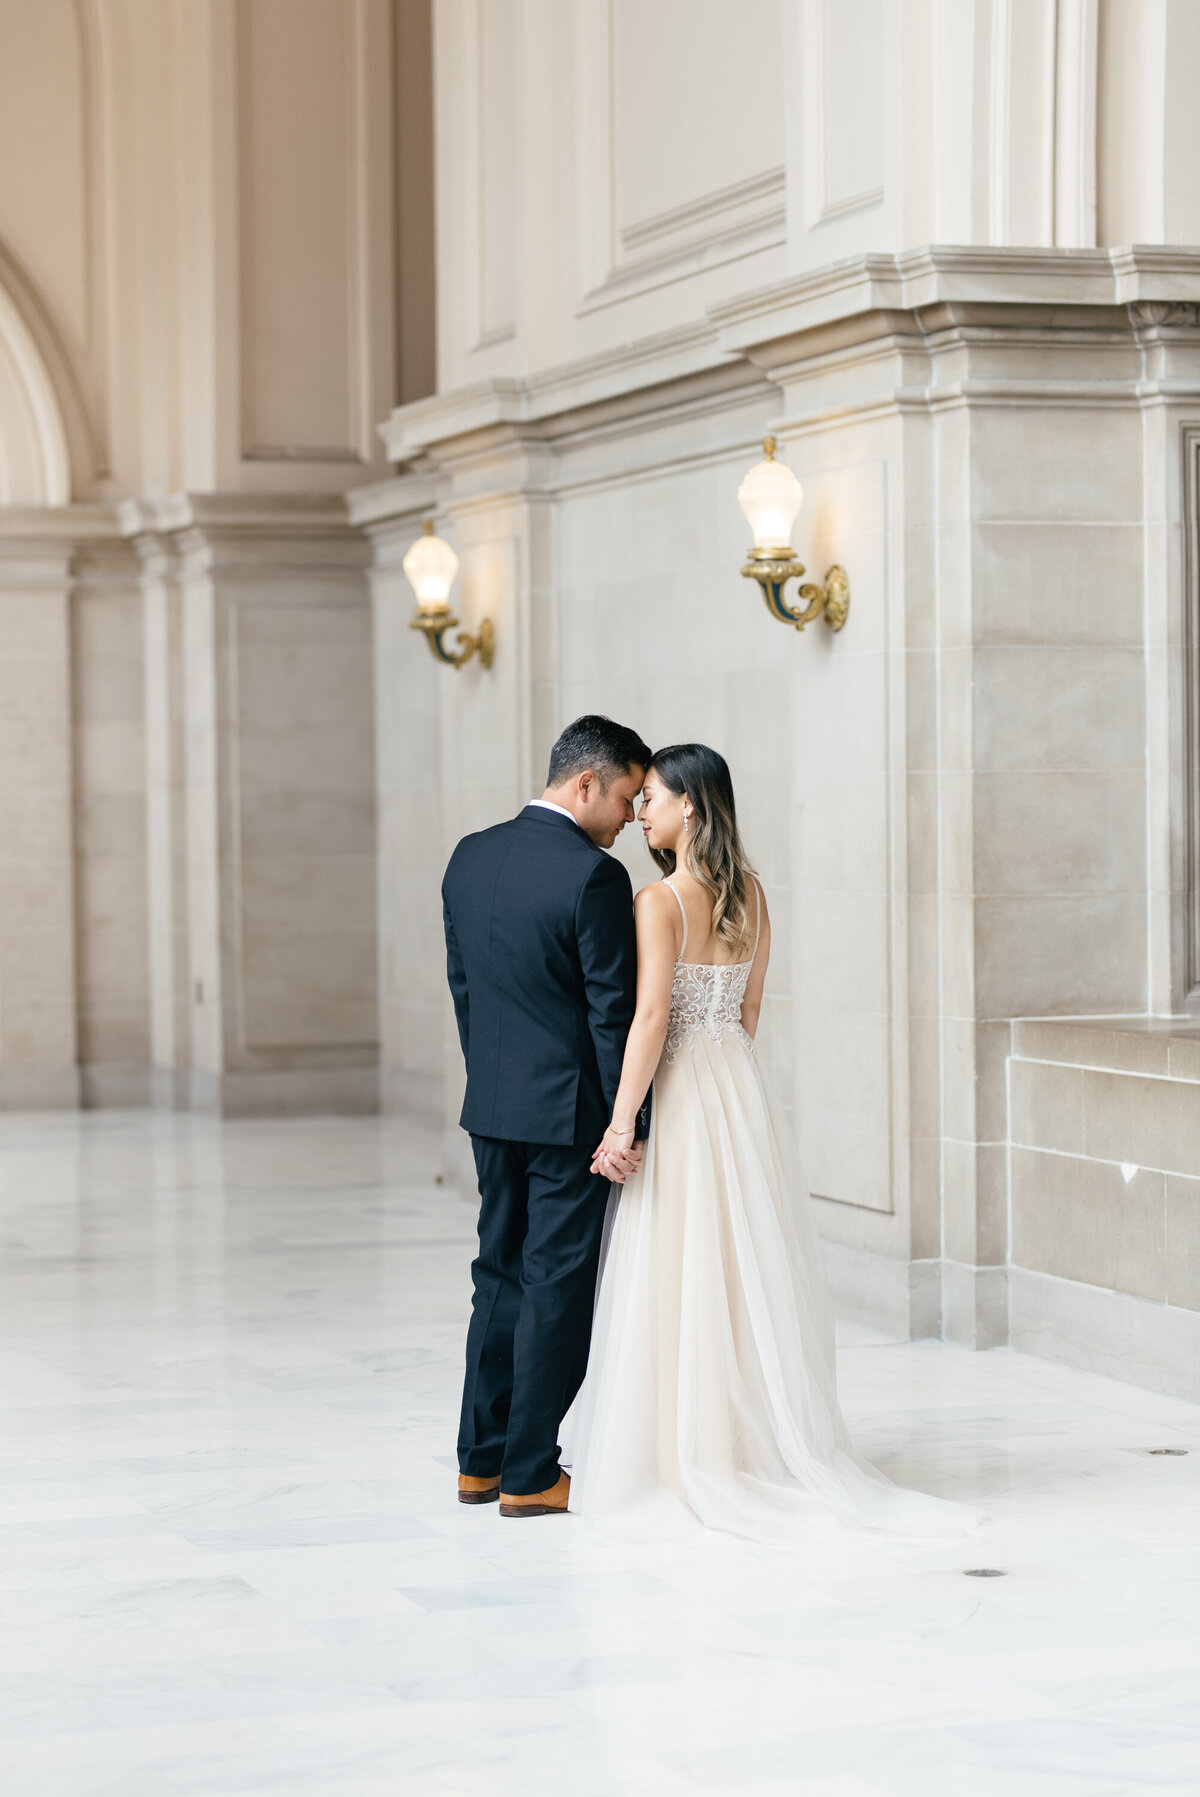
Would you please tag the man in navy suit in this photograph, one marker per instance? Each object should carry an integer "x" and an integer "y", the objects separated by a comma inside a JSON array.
[{"x": 542, "y": 962}]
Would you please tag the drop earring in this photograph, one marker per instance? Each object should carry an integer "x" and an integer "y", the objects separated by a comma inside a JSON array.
[{"x": 686, "y": 825}]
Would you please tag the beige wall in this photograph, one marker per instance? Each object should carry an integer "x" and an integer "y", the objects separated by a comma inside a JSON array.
[
  {"x": 1105, "y": 1184},
  {"x": 659, "y": 230},
  {"x": 279, "y": 808},
  {"x": 109, "y": 782},
  {"x": 949, "y": 801},
  {"x": 38, "y": 1012},
  {"x": 970, "y": 807},
  {"x": 213, "y": 215},
  {"x": 607, "y": 169},
  {"x": 198, "y": 222}
]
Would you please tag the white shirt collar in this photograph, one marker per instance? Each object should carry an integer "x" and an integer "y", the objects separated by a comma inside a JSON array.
[{"x": 549, "y": 805}]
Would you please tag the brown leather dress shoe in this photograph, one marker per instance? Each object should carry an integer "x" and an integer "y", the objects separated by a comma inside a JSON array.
[
  {"x": 477, "y": 1491},
  {"x": 538, "y": 1503}
]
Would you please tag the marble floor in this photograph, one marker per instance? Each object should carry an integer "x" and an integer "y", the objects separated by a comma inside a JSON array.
[{"x": 230, "y": 1559}]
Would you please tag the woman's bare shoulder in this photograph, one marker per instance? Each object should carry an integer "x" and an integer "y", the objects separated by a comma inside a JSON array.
[{"x": 655, "y": 897}]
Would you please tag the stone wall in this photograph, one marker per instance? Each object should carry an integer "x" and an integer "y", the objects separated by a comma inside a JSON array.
[
  {"x": 977, "y": 804},
  {"x": 950, "y": 801},
  {"x": 212, "y": 217},
  {"x": 229, "y": 773},
  {"x": 1105, "y": 1196}
]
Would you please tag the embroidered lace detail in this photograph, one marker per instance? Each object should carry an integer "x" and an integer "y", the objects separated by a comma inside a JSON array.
[{"x": 708, "y": 999}]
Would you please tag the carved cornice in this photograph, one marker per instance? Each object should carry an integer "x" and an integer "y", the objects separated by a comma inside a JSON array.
[
  {"x": 60, "y": 524},
  {"x": 1154, "y": 315},
  {"x": 648, "y": 375},
  {"x": 50, "y": 545},
  {"x": 251, "y": 514},
  {"x": 844, "y": 309},
  {"x": 301, "y": 534},
  {"x": 946, "y": 289}
]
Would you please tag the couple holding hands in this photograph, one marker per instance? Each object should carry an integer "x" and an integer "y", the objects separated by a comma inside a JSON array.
[{"x": 640, "y": 1219}]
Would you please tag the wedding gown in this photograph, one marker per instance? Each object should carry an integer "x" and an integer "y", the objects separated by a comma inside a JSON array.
[{"x": 711, "y": 1392}]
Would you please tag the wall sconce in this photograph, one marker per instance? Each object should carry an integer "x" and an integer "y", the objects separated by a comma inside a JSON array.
[
  {"x": 430, "y": 567},
  {"x": 770, "y": 497}
]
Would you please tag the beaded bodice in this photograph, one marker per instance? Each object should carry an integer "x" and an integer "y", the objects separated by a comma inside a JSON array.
[{"x": 707, "y": 998}]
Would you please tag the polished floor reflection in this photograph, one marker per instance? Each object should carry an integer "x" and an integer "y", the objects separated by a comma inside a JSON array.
[{"x": 230, "y": 1559}]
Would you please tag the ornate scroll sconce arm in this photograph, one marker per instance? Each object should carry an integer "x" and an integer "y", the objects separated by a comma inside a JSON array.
[
  {"x": 434, "y": 628},
  {"x": 773, "y": 571}
]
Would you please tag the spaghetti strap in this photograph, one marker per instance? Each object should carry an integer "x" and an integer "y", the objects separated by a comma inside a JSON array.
[
  {"x": 757, "y": 918},
  {"x": 682, "y": 914}
]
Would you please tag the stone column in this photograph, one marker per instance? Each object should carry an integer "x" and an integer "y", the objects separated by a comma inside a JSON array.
[
  {"x": 166, "y": 823},
  {"x": 39, "y": 1050},
  {"x": 108, "y": 701},
  {"x": 261, "y": 804},
  {"x": 409, "y": 807}
]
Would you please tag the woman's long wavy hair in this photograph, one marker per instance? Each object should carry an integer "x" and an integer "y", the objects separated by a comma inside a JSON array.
[{"x": 714, "y": 853}]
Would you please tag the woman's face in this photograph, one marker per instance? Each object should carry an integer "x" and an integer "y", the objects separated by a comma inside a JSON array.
[{"x": 661, "y": 814}]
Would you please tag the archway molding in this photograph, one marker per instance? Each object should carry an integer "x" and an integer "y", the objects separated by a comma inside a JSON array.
[{"x": 46, "y": 447}]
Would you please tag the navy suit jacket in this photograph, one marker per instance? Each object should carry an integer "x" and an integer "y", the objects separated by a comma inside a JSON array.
[{"x": 541, "y": 957}]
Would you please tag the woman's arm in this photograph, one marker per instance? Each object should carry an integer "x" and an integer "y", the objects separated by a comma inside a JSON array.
[
  {"x": 656, "y": 916},
  {"x": 752, "y": 1003}
]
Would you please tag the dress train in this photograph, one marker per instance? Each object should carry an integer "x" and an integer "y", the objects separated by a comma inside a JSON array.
[{"x": 711, "y": 1390}]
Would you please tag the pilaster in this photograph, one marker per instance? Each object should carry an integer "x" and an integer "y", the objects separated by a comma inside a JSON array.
[
  {"x": 39, "y": 1024},
  {"x": 166, "y": 821},
  {"x": 108, "y": 744},
  {"x": 261, "y": 799},
  {"x": 409, "y": 808}
]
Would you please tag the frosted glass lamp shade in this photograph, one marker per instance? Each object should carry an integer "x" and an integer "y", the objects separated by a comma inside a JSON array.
[
  {"x": 430, "y": 567},
  {"x": 770, "y": 497}
]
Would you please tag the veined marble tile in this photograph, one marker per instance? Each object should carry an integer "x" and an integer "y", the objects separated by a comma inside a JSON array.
[{"x": 231, "y": 1562}]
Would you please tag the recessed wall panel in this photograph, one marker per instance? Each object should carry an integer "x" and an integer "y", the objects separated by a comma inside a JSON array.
[
  {"x": 698, "y": 119},
  {"x": 303, "y": 775},
  {"x": 499, "y": 220},
  {"x": 853, "y": 102},
  {"x": 295, "y": 76}
]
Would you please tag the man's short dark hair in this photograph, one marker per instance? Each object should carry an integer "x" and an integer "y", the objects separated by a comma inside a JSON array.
[{"x": 609, "y": 749}]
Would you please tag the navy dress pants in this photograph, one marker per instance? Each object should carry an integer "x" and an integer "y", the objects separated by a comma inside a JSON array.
[{"x": 541, "y": 1217}]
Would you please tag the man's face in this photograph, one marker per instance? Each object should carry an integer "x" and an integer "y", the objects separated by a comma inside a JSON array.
[{"x": 605, "y": 814}]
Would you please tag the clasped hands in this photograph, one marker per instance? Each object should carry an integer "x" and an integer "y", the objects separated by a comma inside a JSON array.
[{"x": 618, "y": 1155}]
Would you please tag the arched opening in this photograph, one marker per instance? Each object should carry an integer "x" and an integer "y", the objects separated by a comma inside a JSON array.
[
  {"x": 35, "y": 466},
  {"x": 37, "y": 1002}
]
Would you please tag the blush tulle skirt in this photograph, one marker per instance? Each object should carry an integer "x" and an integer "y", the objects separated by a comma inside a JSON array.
[{"x": 711, "y": 1390}]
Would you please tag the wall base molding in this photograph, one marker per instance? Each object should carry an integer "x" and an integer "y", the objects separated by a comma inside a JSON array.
[
  {"x": 920, "y": 1298},
  {"x": 901, "y": 1297},
  {"x": 115, "y": 1086},
  {"x": 1111, "y": 1333},
  {"x": 459, "y": 1164},
  {"x": 418, "y": 1096},
  {"x": 974, "y": 1305},
  {"x": 169, "y": 1088},
  {"x": 287, "y": 1092},
  {"x": 39, "y": 1088}
]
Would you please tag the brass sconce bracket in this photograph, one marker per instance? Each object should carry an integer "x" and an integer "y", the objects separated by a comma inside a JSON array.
[
  {"x": 774, "y": 568},
  {"x": 434, "y": 626}
]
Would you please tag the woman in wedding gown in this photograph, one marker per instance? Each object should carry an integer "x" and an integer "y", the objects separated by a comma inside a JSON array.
[{"x": 711, "y": 1388}]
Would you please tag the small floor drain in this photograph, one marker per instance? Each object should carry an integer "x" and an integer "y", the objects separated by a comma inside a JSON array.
[
  {"x": 982, "y": 1572},
  {"x": 1176, "y": 1451}
]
